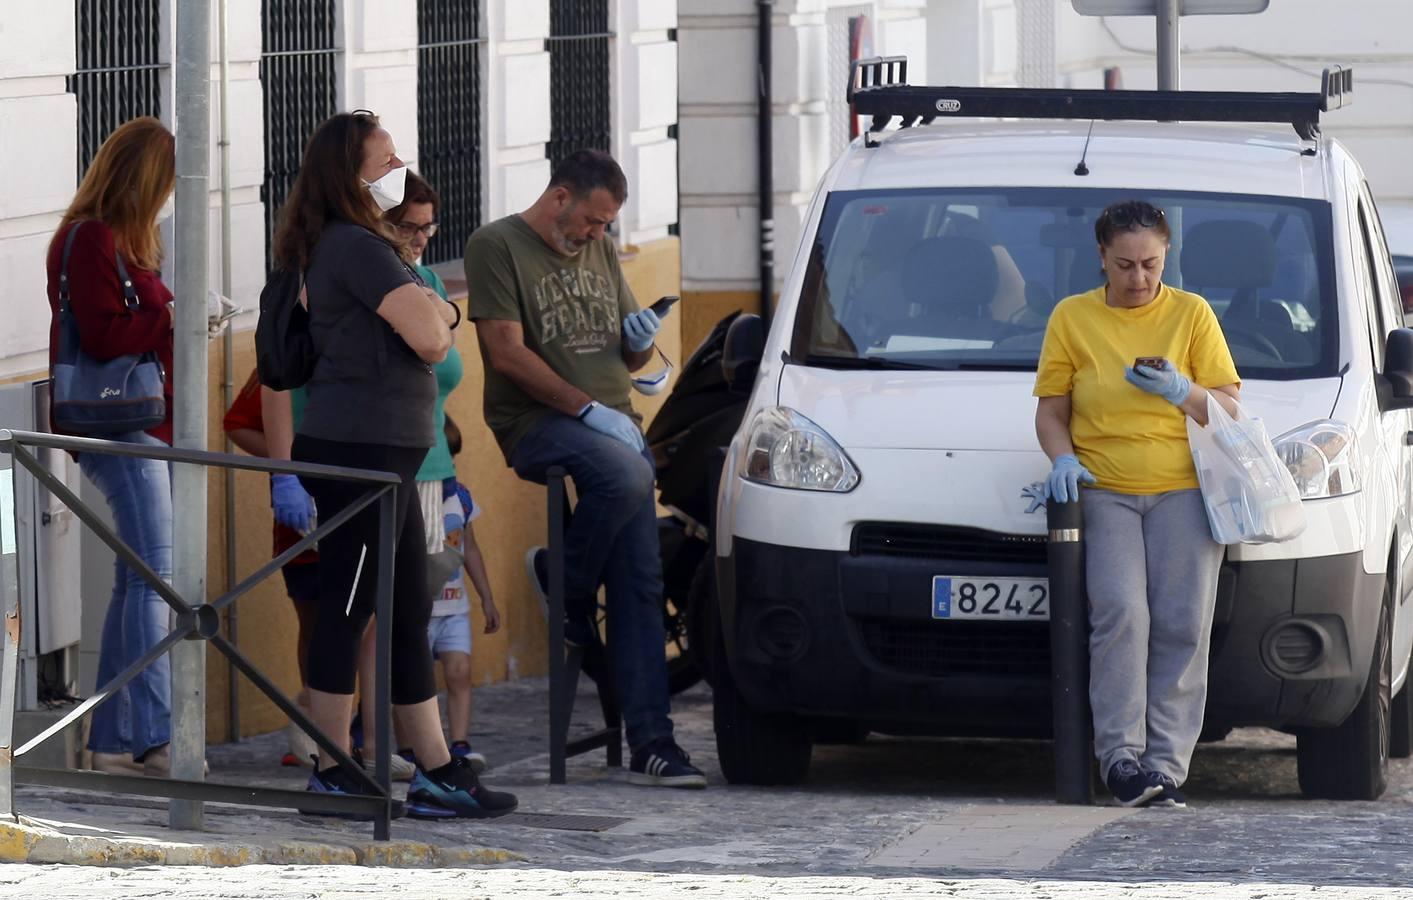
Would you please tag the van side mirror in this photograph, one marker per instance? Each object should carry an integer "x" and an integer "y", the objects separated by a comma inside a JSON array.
[
  {"x": 1398, "y": 368},
  {"x": 742, "y": 353}
]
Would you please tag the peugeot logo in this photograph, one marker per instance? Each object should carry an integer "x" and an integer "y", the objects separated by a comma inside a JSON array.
[{"x": 949, "y": 106}]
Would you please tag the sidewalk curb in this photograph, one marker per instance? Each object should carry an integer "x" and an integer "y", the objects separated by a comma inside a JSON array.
[{"x": 31, "y": 841}]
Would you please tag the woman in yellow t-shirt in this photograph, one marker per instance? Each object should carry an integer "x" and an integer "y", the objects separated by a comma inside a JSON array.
[{"x": 1121, "y": 368}]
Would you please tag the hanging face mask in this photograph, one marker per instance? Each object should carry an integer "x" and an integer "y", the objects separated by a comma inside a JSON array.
[
  {"x": 169, "y": 207},
  {"x": 656, "y": 382},
  {"x": 387, "y": 191}
]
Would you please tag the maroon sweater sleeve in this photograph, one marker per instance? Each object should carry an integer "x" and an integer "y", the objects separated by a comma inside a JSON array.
[{"x": 107, "y": 327}]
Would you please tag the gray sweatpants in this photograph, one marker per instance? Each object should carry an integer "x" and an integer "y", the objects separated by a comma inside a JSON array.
[{"x": 1151, "y": 569}]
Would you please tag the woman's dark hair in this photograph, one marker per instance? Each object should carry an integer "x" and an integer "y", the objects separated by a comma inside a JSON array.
[
  {"x": 416, "y": 190},
  {"x": 453, "y": 436},
  {"x": 1130, "y": 215},
  {"x": 584, "y": 171},
  {"x": 328, "y": 187}
]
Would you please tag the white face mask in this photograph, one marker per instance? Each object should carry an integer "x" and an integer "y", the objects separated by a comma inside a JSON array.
[
  {"x": 169, "y": 207},
  {"x": 387, "y": 191},
  {"x": 656, "y": 383}
]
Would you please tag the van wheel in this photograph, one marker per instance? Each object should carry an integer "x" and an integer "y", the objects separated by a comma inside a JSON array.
[
  {"x": 753, "y": 747},
  {"x": 1401, "y": 734},
  {"x": 1350, "y": 761}
]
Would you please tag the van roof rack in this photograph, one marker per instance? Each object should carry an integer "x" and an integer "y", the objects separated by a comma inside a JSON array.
[{"x": 878, "y": 87}]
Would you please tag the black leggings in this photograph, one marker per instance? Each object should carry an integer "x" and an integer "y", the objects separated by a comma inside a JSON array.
[{"x": 339, "y": 627}]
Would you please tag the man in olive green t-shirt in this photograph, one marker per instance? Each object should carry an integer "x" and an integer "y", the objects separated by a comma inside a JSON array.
[{"x": 560, "y": 332}]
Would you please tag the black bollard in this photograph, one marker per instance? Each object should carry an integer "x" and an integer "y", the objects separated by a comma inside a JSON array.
[{"x": 1069, "y": 653}]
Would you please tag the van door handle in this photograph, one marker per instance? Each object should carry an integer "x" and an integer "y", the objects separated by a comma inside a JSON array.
[{"x": 1408, "y": 439}]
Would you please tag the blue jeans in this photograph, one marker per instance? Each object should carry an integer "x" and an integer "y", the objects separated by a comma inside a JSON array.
[
  {"x": 139, "y": 493},
  {"x": 611, "y": 540}
]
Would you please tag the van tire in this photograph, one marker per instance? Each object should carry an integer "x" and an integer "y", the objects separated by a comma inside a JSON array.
[
  {"x": 1400, "y": 743},
  {"x": 752, "y": 746},
  {"x": 1350, "y": 761}
]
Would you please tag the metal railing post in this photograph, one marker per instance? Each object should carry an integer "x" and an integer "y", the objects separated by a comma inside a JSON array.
[
  {"x": 559, "y": 704},
  {"x": 1069, "y": 653},
  {"x": 9, "y": 684}
]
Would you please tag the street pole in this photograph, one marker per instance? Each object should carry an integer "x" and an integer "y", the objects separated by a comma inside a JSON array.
[
  {"x": 193, "y": 102},
  {"x": 1168, "y": 14},
  {"x": 228, "y": 371}
]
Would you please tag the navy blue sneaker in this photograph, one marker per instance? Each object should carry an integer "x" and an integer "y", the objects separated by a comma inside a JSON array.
[
  {"x": 1169, "y": 794},
  {"x": 1130, "y": 785},
  {"x": 581, "y": 631},
  {"x": 664, "y": 764},
  {"x": 454, "y": 792},
  {"x": 334, "y": 780}
]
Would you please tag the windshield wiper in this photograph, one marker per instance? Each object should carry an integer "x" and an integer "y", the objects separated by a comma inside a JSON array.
[{"x": 825, "y": 361}]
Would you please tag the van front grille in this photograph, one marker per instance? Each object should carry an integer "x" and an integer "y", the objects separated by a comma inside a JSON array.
[{"x": 947, "y": 542}]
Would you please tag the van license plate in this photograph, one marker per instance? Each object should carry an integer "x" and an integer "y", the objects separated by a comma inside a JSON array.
[{"x": 982, "y": 597}]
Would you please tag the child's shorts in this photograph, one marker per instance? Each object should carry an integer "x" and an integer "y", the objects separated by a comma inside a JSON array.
[{"x": 450, "y": 634}]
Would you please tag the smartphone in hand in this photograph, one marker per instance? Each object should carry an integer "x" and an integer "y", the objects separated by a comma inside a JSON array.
[
  {"x": 663, "y": 304},
  {"x": 1152, "y": 362}
]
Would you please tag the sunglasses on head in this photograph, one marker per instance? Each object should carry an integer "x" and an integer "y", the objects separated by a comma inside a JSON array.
[{"x": 1128, "y": 215}]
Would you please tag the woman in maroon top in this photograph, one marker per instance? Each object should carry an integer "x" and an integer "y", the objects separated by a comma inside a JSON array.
[{"x": 125, "y": 193}]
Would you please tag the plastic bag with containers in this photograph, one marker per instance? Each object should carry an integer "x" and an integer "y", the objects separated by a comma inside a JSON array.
[{"x": 1250, "y": 495}]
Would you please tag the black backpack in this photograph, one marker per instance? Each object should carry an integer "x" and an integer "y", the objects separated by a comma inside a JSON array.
[{"x": 284, "y": 347}]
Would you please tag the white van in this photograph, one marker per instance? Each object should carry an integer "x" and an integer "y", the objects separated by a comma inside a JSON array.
[{"x": 890, "y": 426}]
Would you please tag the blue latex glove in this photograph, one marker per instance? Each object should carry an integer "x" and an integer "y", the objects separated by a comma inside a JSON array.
[
  {"x": 1169, "y": 383},
  {"x": 1035, "y": 493},
  {"x": 294, "y": 508},
  {"x": 639, "y": 330},
  {"x": 1065, "y": 478},
  {"x": 614, "y": 424}
]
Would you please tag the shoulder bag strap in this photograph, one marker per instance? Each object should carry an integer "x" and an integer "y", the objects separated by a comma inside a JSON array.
[{"x": 129, "y": 292}]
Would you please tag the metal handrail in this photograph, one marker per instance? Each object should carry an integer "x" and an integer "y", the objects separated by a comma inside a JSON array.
[{"x": 202, "y": 622}]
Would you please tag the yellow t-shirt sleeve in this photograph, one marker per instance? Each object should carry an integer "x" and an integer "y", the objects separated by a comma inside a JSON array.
[
  {"x": 1054, "y": 373},
  {"x": 1212, "y": 365}
]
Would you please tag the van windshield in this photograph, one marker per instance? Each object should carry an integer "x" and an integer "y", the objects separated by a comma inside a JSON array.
[{"x": 966, "y": 279}]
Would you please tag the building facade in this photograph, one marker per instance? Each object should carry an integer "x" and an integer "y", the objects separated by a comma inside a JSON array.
[{"x": 481, "y": 97}]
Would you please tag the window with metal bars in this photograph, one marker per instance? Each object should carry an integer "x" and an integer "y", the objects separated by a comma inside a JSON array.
[
  {"x": 120, "y": 71},
  {"x": 449, "y": 118},
  {"x": 298, "y": 73},
  {"x": 578, "y": 45}
]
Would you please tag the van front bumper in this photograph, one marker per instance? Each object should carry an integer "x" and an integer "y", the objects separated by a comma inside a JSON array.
[{"x": 851, "y": 635}]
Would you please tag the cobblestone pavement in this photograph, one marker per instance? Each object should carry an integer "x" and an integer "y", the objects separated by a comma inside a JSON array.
[
  {"x": 353, "y": 883},
  {"x": 951, "y": 818}
]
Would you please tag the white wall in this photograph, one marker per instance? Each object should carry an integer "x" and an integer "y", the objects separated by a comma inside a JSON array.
[
  {"x": 1282, "y": 49},
  {"x": 717, "y": 87}
]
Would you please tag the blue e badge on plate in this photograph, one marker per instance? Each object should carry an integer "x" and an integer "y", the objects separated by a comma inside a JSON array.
[{"x": 941, "y": 597}]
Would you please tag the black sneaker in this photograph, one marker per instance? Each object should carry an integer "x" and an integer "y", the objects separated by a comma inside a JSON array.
[
  {"x": 1169, "y": 794},
  {"x": 334, "y": 780},
  {"x": 664, "y": 764},
  {"x": 578, "y": 630},
  {"x": 1130, "y": 785},
  {"x": 454, "y": 792}
]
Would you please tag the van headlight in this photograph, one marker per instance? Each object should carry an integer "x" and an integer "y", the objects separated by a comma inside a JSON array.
[
  {"x": 784, "y": 449},
  {"x": 1322, "y": 457}
]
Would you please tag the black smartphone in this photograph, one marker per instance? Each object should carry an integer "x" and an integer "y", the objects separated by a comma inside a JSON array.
[
  {"x": 663, "y": 304},
  {"x": 1152, "y": 362}
]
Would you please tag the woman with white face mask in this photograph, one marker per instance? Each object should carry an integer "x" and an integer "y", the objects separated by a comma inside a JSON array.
[{"x": 377, "y": 331}]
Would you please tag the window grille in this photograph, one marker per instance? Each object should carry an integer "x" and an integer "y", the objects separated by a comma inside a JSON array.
[
  {"x": 298, "y": 74},
  {"x": 449, "y": 118},
  {"x": 580, "y": 115},
  {"x": 120, "y": 71}
]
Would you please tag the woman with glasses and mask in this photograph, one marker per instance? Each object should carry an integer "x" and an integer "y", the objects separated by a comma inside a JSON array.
[
  {"x": 378, "y": 331},
  {"x": 1122, "y": 368}
]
